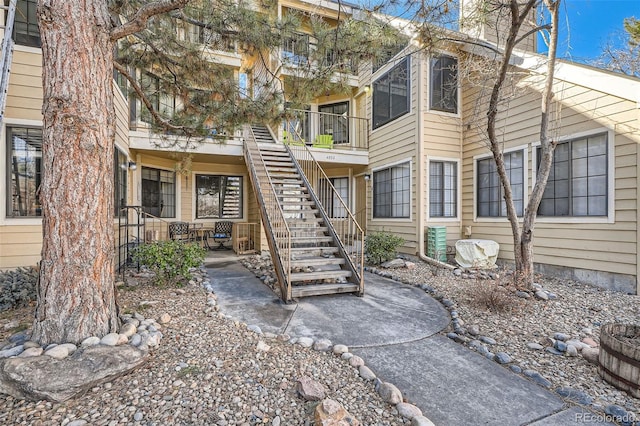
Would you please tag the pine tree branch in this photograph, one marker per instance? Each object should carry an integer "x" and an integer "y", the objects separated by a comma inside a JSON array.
[{"x": 139, "y": 22}]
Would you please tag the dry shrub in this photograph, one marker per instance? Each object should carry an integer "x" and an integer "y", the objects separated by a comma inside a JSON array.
[{"x": 495, "y": 296}]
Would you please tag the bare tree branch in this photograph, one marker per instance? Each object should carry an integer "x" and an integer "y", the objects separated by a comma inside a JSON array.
[{"x": 139, "y": 22}]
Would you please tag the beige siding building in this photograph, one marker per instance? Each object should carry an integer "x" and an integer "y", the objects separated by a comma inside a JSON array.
[{"x": 408, "y": 153}]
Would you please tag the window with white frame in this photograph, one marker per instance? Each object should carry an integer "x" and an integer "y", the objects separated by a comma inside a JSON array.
[
  {"x": 490, "y": 195},
  {"x": 392, "y": 191},
  {"x": 391, "y": 94},
  {"x": 443, "y": 188},
  {"x": 578, "y": 180},
  {"x": 159, "y": 192},
  {"x": 329, "y": 199},
  {"x": 444, "y": 84},
  {"x": 218, "y": 197},
  {"x": 24, "y": 166}
]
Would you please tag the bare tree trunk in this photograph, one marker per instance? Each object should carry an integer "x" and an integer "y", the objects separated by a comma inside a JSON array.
[
  {"x": 76, "y": 293},
  {"x": 518, "y": 14},
  {"x": 547, "y": 147}
]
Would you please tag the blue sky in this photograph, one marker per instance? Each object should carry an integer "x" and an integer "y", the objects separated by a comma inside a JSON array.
[{"x": 587, "y": 25}]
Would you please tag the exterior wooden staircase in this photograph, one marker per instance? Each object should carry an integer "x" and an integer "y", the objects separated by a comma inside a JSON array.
[{"x": 308, "y": 254}]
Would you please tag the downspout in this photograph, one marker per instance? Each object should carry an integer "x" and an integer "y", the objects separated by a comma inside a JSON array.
[{"x": 421, "y": 172}]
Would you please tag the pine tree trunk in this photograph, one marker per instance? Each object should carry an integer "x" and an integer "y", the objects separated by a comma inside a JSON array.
[{"x": 76, "y": 292}]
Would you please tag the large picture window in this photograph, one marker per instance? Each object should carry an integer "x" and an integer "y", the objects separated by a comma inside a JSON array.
[
  {"x": 392, "y": 192},
  {"x": 329, "y": 199},
  {"x": 159, "y": 192},
  {"x": 218, "y": 197},
  {"x": 578, "y": 180},
  {"x": 25, "y": 29},
  {"x": 490, "y": 196},
  {"x": 444, "y": 84},
  {"x": 25, "y": 171},
  {"x": 391, "y": 94},
  {"x": 443, "y": 189}
]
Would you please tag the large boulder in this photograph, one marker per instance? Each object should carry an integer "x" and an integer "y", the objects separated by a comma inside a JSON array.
[{"x": 58, "y": 380}]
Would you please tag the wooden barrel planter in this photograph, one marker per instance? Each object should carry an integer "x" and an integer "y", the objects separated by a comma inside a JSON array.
[{"x": 619, "y": 358}]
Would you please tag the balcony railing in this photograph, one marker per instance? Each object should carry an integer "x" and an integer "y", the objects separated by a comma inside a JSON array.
[{"x": 325, "y": 130}]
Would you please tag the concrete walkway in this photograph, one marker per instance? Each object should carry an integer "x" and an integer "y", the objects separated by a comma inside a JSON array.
[{"x": 395, "y": 329}]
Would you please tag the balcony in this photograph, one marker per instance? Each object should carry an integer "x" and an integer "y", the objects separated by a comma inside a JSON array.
[{"x": 325, "y": 130}]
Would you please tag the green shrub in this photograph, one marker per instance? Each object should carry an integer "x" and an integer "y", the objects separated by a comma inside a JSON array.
[
  {"x": 169, "y": 260},
  {"x": 382, "y": 246}
]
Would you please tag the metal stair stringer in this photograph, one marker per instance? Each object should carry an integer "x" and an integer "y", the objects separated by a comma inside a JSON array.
[{"x": 276, "y": 228}]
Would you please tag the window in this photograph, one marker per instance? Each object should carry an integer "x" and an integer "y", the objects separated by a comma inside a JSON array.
[
  {"x": 392, "y": 192},
  {"x": 391, "y": 94},
  {"x": 25, "y": 171},
  {"x": 490, "y": 194},
  {"x": 334, "y": 121},
  {"x": 386, "y": 53},
  {"x": 163, "y": 103},
  {"x": 218, "y": 197},
  {"x": 329, "y": 199},
  {"x": 25, "y": 30},
  {"x": 120, "y": 167},
  {"x": 578, "y": 180},
  {"x": 444, "y": 84},
  {"x": 295, "y": 48},
  {"x": 443, "y": 189},
  {"x": 159, "y": 192}
]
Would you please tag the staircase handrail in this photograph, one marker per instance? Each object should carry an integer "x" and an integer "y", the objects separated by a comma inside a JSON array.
[
  {"x": 273, "y": 214},
  {"x": 355, "y": 231}
]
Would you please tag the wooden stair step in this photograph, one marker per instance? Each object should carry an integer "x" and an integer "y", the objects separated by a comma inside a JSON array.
[
  {"x": 320, "y": 289},
  {"x": 312, "y": 240},
  {"x": 318, "y": 261},
  {"x": 319, "y": 275},
  {"x": 296, "y": 220},
  {"x": 270, "y": 162},
  {"x": 327, "y": 250},
  {"x": 296, "y": 203}
]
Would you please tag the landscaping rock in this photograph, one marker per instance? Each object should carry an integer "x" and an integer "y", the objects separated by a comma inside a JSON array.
[
  {"x": 389, "y": 393},
  {"x": 409, "y": 411},
  {"x": 421, "y": 421},
  {"x": 366, "y": 373},
  {"x": 591, "y": 355},
  {"x": 393, "y": 264},
  {"x": 309, "y": 389},
  {"x": 58, "y": 380},
  {"x": 322, "y": 345},
  {"x": 332, "y": 413},
  {"x": 340, "y": 349}
]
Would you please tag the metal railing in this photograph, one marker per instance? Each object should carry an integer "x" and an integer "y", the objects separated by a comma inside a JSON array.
[
  {"x": 346, "y": 131},
  {"x": 345, "y": 229},
  {"x": 277, "y": 230}
]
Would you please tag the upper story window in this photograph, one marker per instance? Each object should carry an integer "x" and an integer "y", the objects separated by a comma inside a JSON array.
[
  {"x": 295, "y": 48},
  {"x": 490, "y": 195},
  {"x": 443, "y": 189},
  {"x": 163, "y": 103},
  {"x": 392, "y": 191},
  {"x": 444, "y": 84},
  {"x": 25, "y": 171},
  {"x": 218, "y": 197},
  {"x": 25, "y": 29},
  {"x": 578, "y": 180},
  {"x": 391, "y": 94},
  {"x": 334, "y": 121},
  {"x": 159, "y": 192}
]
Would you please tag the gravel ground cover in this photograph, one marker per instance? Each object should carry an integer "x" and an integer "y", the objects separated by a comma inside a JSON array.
[{"x": 208, "y": 370}]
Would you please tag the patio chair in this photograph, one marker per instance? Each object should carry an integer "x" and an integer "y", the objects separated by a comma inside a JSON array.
[
  {"x": 179, "y": 231},
  {"x": 289, "y": 139},
  {"x": 323, "y": 141},
  {"x": 222, "y": 234}
]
